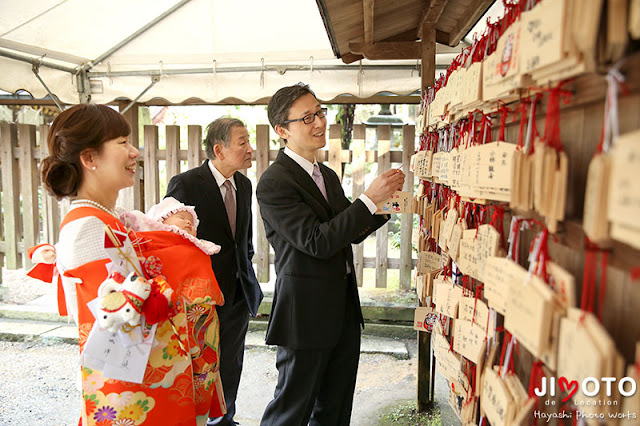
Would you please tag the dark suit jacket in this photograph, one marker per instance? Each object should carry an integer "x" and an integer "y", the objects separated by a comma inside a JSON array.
[
  {"x": 312, "y": 243},
  {"x": 197, "y": 187}
]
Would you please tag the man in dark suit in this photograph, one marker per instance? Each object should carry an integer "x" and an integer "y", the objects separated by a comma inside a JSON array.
[
  {"x": 222, "y": 198},
  {"x": 316, "y": 317}
]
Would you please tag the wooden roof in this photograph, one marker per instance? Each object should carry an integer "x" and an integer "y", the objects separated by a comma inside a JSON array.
[{"x": 392, "y": 29}]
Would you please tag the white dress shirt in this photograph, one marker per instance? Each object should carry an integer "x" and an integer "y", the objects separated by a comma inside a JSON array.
[{"x": 220, "y": 179}]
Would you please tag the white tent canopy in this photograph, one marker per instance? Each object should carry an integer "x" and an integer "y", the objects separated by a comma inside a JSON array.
[{"x": 208, "y": 50}]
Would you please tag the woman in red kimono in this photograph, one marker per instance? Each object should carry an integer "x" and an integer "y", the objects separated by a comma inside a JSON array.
[{"x": 91, "y": 159}]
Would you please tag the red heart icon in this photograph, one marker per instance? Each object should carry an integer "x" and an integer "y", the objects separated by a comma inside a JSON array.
[{"x": 565, "y": 385}]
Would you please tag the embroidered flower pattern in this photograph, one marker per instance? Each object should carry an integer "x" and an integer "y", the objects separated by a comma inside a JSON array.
[
  {"x": 119, "y": 400},
  {"x": 130, "y": 410},
  {"x": 93, "y": 382},
  {"x": 90, "y": 404},
  {"x": 105, "y": 413},
  {"x": 195, "y": 312},
  {"x": 134, "y": 411},
  {"x": 172, "y": 350}
]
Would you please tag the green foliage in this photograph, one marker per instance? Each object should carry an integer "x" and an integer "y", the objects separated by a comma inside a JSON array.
[
  {"x": 394, "y": 231},
  {"x": 407, "y": 414}
]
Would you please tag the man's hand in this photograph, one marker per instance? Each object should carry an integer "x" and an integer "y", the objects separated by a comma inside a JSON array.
[{"x": 385, "y": 185}]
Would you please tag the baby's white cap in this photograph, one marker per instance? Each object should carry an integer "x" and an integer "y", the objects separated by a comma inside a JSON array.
[{"x": 169, "y": 206}]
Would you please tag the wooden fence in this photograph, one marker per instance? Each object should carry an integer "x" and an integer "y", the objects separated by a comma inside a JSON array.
[{"x": 31, "y": 216}]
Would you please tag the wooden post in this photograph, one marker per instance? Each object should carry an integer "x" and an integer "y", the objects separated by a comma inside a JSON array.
[
  {"x": 406, "y": 221},
  {"x": 262, "y": 245},
  {"x": 150, "y": 166},
  {"x": 425, "y": 399},
  {"x": 428, "y": 56},
  {"x": 50, "y": 206},
  {"x": 172, "y": 148},
  {"x": 2, "y": 245},
  {"x": 131, "y": 198},
  {"x": 335, "y": 149},
  {"x": 10, "y": 196},
  {"x": 29, "y": 189},
  {"x": 194, "y": 135},
  {"x": 382, "y": 234},
  {"x": 359, "y": 158}
]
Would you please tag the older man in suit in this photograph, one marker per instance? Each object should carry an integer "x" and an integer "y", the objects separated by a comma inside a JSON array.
[
  {"x": 315, "y": 317},
  {"x": 222, "y": 198}
]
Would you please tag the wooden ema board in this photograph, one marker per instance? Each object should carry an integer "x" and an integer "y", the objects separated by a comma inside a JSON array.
[
  {"x": 435, "y": 166},
  {"x": 585, "y": 349},
  {"x": 529, "y": 314},
  {"x": 458, "y": 393},
  {"x": 424, "y": 319},
  {"x": 499, "y": 274},
  {"x": 447, "y": 362},
  {"x": 443, "y": 170},
  {"x": 455, "y": 170},
  {"x": 475, "y": 248},
  {"x": 596, "y": 199},
  {"x": 469, "y": 340},
  {"x": 396, "y": 204},
  {"x": 468, "y": 255},
  {"x": 624, "y": 193},
  {"x": 495, "y": 400},
  {"x": 428, "y": 262},
  {"x": 446, "y": 297},
  {"x": 486, "y": 171},
  {"x": 453, "y": 244},
  {"x": 476, "y": 311},
  {"x": 471, "y": 87},
  {"x": 501, "y": 70},
  {"x": 447, "y": 228},
  {"x": 422, "y": 164},
  {"x": 543, "y": 33}
]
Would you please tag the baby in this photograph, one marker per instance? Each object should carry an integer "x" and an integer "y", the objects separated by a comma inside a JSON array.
[{"x": 169, "y": 215}]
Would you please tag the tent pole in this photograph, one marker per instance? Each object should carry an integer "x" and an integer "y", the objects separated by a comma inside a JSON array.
[
  {"x": 19, "y": 56},
  {"x": 84, "y": 86},
  {"x": 154, "y": 80},
  {"x": 281, "y": 69},
  {"x": 35, "y": 68}
]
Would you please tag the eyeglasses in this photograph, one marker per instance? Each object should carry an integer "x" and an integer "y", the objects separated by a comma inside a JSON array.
[{"x": 309, "y": 118}]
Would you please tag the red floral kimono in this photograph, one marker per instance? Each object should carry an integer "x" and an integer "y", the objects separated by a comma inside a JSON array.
[{"x": 181, "y": 384}]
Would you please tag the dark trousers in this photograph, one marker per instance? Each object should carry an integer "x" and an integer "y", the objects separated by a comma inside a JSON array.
[
  {"x": 316, "y": 386},
  {"x": 234, "y": 321}
]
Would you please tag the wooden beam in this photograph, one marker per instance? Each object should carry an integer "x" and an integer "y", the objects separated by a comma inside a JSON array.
[
  {"x": 431, "y": 14},
  {"x": 396, "y": 50},
  {"x": 367, "y": 9},
  {"x": 442, "y": 37},
  {"x": 428, "y": 57},
  {"x": 468, "y": 19},
  {"x": 388, "y": 50}
]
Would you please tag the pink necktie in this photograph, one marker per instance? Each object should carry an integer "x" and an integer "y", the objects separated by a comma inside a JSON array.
[
  {"x": 230, "y": 205},
  {"x": 319, "y": 180}
]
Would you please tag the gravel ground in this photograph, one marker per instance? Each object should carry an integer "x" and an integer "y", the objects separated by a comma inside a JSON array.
[
  {"x": 38, "y": 378},
  {"x": 23, "y": 289},
  {"x": 38, "y": 384}
]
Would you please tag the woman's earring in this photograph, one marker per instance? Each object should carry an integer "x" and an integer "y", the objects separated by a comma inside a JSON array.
[{"x": 93, "y": 168}]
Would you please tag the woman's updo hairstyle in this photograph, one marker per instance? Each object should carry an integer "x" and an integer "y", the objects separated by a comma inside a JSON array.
[{"x": 84, "y": 126}]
